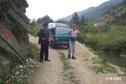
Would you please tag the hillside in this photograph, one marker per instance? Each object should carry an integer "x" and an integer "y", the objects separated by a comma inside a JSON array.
[
  {"x": 96, "y": 12},
  {"x": 107, "y": 36},
  {"x": 116, "y": 17}
]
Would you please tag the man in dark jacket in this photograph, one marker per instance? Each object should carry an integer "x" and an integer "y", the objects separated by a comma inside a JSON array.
[{"x": 43, "y": 35}]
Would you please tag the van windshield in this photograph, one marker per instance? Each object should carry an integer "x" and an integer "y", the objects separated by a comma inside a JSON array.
[{"x": 62, "y": 30}]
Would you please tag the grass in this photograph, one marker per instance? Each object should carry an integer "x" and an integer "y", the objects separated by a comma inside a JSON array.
[
  {"x": 103, "y": 66},
  {"x": 104, "y": 69},
  {"x": 35, "y": 51},
  {"x": 65, "y": 61},
  {"x": 68, "y": 74},
  {"x": 34, "y": 29},
  {"x": 19, "y": 75}
]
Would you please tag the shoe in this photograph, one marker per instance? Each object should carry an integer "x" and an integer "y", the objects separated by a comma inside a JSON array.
[
  {"x": 47, "y": 60},
  {"x": 73, "y": 57},
  {"x": 69, "y": 56}
]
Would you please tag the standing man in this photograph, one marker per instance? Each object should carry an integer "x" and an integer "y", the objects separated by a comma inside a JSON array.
[
  {"x": 73, "y": 33},
  {"x": 43, "y": 35}
]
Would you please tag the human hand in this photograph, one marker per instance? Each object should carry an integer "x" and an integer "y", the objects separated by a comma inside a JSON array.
[{"x": 50, "y": 39}]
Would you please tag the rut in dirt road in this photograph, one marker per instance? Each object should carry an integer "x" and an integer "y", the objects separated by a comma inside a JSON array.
[
  {"x": 61, "y": 70},
  {"x": 49, "y": 72}
]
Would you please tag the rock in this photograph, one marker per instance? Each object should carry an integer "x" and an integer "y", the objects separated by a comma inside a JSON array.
[
  {"x": 14, "y": 43},
  {"x": 4, "y": 64}
]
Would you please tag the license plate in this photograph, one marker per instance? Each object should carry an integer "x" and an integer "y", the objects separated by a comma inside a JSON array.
[{"x": 62, "y": 42}]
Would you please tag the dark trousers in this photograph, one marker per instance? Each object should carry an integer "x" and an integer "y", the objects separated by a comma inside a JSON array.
[{"x": 44, "y": 51}]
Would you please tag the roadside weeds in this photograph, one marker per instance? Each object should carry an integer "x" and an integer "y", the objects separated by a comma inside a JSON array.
[{"x": 67, "y": 70}]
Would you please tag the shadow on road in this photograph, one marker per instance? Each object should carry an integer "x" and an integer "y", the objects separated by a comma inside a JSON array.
[{"x": 59, "y": 48}]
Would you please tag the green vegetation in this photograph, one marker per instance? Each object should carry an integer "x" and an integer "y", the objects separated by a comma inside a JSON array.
[
  {"x": 34, "y": 29},
  {"x": 65, "y": 61},
  {"x": 114, "y": 39},
  {"x": 35, "y": 51},
  {"x": 104, "y": 67},
  {"x": 112, "y": 57},
  {"x": 4, "y": 6},
  {"x": 19, "y": 75},
  {"x": 68, "y": 74},
  {"x": 107, "y": 36},
  {"x": 36, "y": 25}
]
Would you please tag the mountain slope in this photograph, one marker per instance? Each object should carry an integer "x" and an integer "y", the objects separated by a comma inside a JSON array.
[
  {"x": 96, "y": 12},
  {"x": 108, "y": 35}
]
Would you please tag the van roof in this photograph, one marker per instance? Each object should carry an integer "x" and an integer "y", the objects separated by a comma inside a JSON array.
[{"x": 57, "y": 24}]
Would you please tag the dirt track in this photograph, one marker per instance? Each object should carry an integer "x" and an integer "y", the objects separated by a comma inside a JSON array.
[{"x": 80, "y": 72}]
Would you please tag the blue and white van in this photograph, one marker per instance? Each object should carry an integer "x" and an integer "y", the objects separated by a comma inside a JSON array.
[{"x": 59, "y": 32}]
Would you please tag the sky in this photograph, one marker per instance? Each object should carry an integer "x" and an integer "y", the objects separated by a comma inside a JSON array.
[{"x": 58, "y": 9}]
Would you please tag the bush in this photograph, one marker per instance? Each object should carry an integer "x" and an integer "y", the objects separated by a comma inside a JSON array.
[
  {"x": 35, "y": 51},
  {"x": 105, "y": 69},
  {"x": 115, "y": 39},
  {"x": 19, "y": 75},
  {"x": 34, "y": 29}
]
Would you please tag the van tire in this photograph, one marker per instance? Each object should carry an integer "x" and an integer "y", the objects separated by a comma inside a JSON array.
[{"x": 67, "y": 46}]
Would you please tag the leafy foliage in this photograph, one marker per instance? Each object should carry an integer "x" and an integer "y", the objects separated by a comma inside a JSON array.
[
  {"x": 19, "y": 75},
  {"x": 105, "y": 69},
  {"x": 35, "y": 51},
  {"x": 34, "y": 29},
  {"x": 4, "y": 6},
  {"x": 113, "y": 39},
  {"x": 75, "y": 19},
  {"x": 108, "y": 34},
  {"x": 45, "y": 19},
  {"x": 124, "y": 2}
]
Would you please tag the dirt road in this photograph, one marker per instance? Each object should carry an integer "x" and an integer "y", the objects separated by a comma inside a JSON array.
[{"x": 77, "y": 71}]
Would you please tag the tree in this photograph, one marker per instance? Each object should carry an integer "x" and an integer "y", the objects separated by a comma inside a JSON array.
[
  {"x": 75, "y": 19},
  {"x": 82, "y": 20},
  {"x": 33, "y": 22},
  {"x": 124, "y": 2},
  {"x": 45, "y": 19}
]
